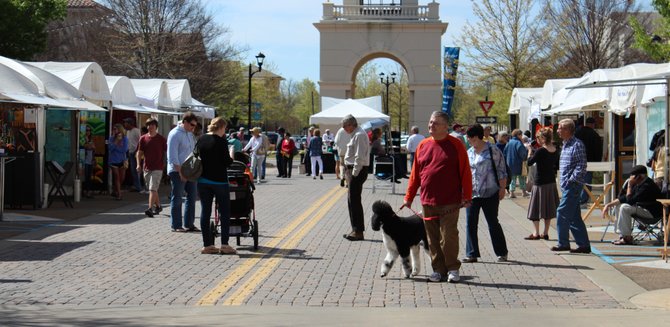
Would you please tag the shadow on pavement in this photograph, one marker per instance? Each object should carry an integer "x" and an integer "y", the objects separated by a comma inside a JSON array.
[
  {"x": 464, "y": 280},
  {"x": 10, "y": 281},
  {"x": 38, "y": 251},
  {"x": 545, "y": 265},
  {"x": 33, "y": 317}
]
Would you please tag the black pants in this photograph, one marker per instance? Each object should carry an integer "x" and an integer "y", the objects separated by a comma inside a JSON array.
[
  {"x": 355, "y": 183},
  {"x": 287, "y": 166},
  {"x": 280, "y": 163}
]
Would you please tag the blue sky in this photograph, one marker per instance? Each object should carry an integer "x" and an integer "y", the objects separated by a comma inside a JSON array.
[{"x": 283, "y": 30}]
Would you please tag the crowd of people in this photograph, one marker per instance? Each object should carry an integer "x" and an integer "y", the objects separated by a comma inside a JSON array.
[{"x": 453, "y": 168}]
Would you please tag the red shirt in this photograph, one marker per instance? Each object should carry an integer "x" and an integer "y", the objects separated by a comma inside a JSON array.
[
  {"x": 154, "y": 149},
  {"x": 442, "y": 170},
  {"x": 287, "y": 145}
]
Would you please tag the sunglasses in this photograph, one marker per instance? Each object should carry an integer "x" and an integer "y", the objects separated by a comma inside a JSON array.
[{"x": 193, "y": 124}]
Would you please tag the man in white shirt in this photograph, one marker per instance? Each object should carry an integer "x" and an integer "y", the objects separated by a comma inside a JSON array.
[
  {"x": 356, "y": 160},
  {"x": 328, "y": 138},
  {"x": 342, "y": 138},
  {"x": 412, "y": 142},
  {"x": 133, "y": 135}
]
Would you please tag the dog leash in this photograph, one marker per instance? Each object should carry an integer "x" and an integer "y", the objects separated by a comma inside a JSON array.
[{"x": 452, "y": 210}]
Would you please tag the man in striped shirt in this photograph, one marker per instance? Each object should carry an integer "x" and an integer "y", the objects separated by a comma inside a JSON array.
[{"x": 572, "y": 170}]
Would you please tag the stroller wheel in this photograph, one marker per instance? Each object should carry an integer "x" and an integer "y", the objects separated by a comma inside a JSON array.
[
  {"x": 213, "y": 232},
  {"x": 254, "y": 233}
]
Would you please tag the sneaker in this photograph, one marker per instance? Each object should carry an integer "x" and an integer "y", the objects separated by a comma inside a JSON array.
[
  {"x": 469, "y": 260},
  {"x": 436, "y": 277},
  {"x": 342, "y": 182},
  {"x": 320, "y": 176},
  {"x": 149, "y": 213},
  {"x": 453, "y": 276},
  {"x": 227, "y": 249},
  {"x": 502, "y": 258},
  {"x": 157, "y": 210},
  {"x": 314, "y": 177}
]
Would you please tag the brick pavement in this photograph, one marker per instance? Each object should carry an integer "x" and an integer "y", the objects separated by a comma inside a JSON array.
[{"x": 121, "y": 258}]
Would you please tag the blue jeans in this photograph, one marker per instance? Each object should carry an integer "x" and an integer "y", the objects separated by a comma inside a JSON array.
[
  {"x": 207, "y": 193},
  {"x": 178, "y": 189},
  {"x": 584, "y": 197},
  {"x": 411, "y": 160},
  {"x": 569, "y": 218},
  {"x": 490, "y": 207},
  {"x": 132, "y": 163}
]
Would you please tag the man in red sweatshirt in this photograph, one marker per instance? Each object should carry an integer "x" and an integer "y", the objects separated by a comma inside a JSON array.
[{"x": 442, "y": 170}]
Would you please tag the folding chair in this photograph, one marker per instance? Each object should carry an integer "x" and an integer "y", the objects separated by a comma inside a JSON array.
[
  {"x": 648, "y": 228},
  {"x": 58, "y": 175},
  {"x": 598, "y": 202},
  {"x": 383, "y": 170}
]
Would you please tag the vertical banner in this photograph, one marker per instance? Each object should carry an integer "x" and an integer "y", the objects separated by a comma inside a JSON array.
[{"x": 449, "y": 83}]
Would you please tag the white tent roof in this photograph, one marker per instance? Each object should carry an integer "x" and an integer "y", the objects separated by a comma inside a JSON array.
[
  {"x": 154, "y": 89},
  {"x": 374, "y": 102},
  {"x": 618, "y": 99},
  {"x": 46, "y": 85},
  {"x": 334, "y": 114},
  {"x": 526, "y": 103},
  {"x": 16, "y": 87},
  {"x": 87, "y": 77},
  {"x": 180, "y": 92},
  {"x": 554, "y": 92},
  {"x": 124, "y": 97}
]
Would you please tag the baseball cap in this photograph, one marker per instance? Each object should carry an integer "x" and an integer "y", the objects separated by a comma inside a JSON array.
[{"x": 638, "y": 170}]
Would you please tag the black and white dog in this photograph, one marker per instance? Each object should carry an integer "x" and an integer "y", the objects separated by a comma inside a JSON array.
[{"x": 401, "y": 236}]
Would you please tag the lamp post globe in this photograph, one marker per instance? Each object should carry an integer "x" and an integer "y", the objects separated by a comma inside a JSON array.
[{"x": 260, "y": 57}]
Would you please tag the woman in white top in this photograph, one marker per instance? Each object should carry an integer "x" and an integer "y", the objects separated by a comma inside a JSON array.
[{"x": 256, "y": 150}]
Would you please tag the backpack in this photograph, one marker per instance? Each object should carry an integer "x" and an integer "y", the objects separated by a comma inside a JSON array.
[{"x": 265, "y": 145}]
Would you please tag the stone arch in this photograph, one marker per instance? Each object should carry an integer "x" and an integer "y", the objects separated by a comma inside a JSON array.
[{"x": 410, "y": 34}]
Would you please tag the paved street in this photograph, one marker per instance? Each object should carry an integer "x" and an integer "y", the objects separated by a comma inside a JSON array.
[{"x": 121, "y": 261}]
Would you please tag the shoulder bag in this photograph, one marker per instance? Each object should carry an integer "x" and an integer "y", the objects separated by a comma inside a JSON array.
[{"x": 191, "y": 168}]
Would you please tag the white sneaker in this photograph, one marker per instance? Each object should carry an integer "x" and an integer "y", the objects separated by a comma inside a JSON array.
[
  {"x": 436, "y": 277},
  {"x": 453, "y": 276},
  {"x": 502, "y": 258}
]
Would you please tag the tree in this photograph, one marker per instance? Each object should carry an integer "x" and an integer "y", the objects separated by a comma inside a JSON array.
[
  {"x": 23, "y": 25},
  {"x": 508, "y": 43},
  {"x": 590, "y": 34},
  {"x": 655, "y": 44},
  {"x": 168, "y": 39}
]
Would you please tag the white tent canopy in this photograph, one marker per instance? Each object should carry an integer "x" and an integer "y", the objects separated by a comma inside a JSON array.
[
  {"x": 180, "y": 92},
  {"x": 332, "y": 116},
  {"x": 554, "y": 92},
  {"x": 87, "y": 77},
  {"x": 374, "y": 102},
  {"x": 526, "y": 103},
  {"x": 16, "y": 87},
  {"x": 154, "y": 89},
  {"x": 124, "y": 97}
]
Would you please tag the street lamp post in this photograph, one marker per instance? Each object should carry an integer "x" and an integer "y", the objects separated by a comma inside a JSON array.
[
  {"x": 259, "y": 61},
  {"x": 385, "y": 81}
]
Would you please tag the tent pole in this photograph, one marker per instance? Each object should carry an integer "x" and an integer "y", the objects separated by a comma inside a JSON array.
[{"x": 667, "y": 137}]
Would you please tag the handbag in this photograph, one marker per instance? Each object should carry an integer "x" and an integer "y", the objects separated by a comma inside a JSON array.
[{"x": 191, "y": 168}]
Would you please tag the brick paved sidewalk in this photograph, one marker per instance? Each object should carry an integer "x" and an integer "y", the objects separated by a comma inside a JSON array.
[{"x": 122, "y": 258}]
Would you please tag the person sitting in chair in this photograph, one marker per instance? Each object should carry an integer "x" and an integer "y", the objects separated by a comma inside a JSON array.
[{"x": 637, "y": 198}]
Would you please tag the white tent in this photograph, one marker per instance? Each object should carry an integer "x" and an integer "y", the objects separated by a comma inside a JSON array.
[
  {"x": 87, "y": 77},
  {"x": 374, "y": 102},
  {"x": 554, "y": 92},
  {"x": 180, "y": 92},
  {"x": 156, "y": 90},
  {"x": 124, "y": 97},
  {"x": 525, "y": 102},
  {"x": 332, "y": 116},
  {"x": 19, "y": 88}
]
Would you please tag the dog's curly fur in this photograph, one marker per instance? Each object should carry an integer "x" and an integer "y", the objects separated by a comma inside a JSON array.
[{"x": 401, "y": 236}]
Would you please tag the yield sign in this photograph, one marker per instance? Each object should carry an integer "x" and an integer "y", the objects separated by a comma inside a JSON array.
[{"x": 486, "y": 106}]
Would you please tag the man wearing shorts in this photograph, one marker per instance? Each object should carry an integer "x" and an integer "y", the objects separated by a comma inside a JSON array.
[{"x": 152, "y": 148}]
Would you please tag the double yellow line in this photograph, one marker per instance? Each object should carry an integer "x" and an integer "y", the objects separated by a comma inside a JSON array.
[{"x": 273, "y": 257}]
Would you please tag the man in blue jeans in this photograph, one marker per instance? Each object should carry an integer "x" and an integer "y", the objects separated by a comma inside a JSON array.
[
  {"x": 573, "y": 169},
  {"x": 180, "y": 144}
]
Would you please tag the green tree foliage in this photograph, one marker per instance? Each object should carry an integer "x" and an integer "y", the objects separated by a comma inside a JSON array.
[
  {"x": 507, "y": 44},
  {"x": 23, "y": 25},
  {"x": 655, "y": 44}
]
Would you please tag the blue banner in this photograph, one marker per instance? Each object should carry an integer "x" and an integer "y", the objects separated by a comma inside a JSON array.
[{"x": 449, "y": 84}]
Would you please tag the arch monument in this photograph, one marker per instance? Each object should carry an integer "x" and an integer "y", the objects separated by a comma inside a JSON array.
[{"x": 358, "y": 31}]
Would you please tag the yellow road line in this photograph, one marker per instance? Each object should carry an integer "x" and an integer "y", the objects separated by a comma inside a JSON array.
[
  {"x": 241, "y": 271},
  {"x": 271, "y": 263}
]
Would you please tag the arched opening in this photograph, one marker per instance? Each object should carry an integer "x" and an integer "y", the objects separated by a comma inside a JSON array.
[{"x": 393, "y": 87}]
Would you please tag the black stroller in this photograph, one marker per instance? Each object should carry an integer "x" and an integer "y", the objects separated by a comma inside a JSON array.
[{"x": 242, "y": 212}]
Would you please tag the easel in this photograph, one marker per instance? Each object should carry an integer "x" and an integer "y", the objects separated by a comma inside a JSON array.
[{"x": 598, "y": 202}]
